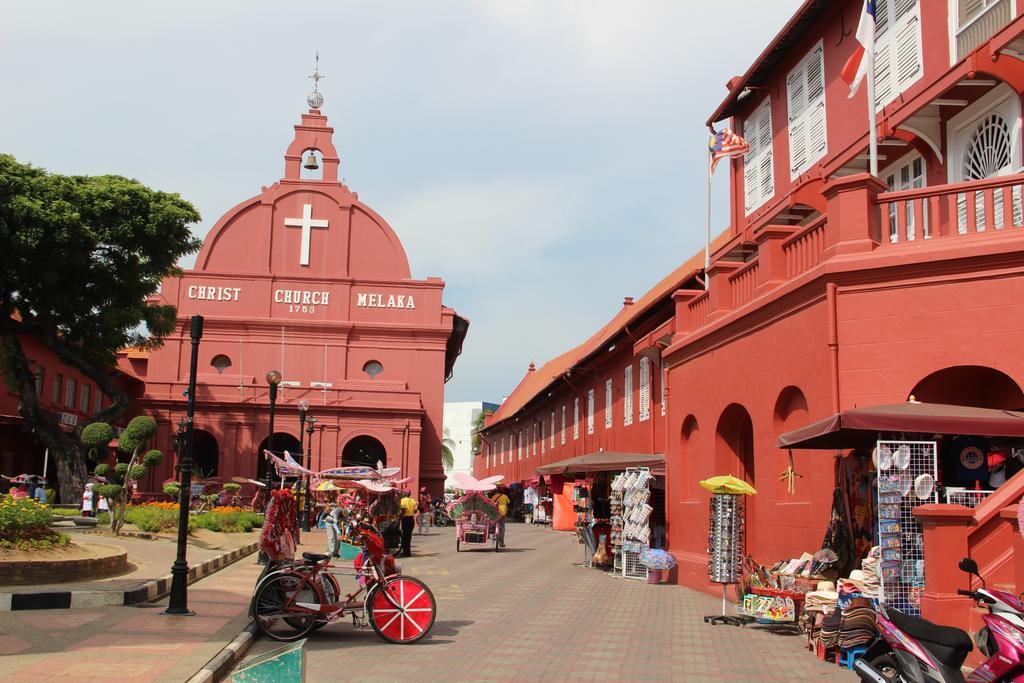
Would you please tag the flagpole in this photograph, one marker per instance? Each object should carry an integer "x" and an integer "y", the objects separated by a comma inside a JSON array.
[
  {"x": 707, "y": 235},
  {"x": 872, "y": 137}
]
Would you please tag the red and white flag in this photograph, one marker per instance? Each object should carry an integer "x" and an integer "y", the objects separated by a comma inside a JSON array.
[{"x": 856, "y": 66}]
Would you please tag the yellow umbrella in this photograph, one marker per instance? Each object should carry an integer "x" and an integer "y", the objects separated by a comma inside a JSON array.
[
  {"x": 327, "y": 486},
  {"x": 726, "y": 483}
]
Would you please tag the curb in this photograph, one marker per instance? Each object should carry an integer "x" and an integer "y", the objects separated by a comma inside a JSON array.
[
  {"x": 232, "y": 653},
  {"x": 146, "y": 592}
]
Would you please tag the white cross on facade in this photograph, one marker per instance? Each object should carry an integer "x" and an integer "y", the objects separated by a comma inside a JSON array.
[{"x": 306, "y": 222}]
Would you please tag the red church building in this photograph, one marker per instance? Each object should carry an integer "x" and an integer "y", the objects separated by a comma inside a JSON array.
[
  {"x": 305, "y": 279},
  {"x": 830, "y": 289}
]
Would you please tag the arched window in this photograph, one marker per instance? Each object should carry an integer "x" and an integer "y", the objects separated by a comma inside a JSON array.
[
  {"x": 373, "y": 368},
  {"x": 221, "y": 363}
]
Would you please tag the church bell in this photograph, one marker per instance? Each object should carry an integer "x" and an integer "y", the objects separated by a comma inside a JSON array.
[{"x": 311, "y": 162}]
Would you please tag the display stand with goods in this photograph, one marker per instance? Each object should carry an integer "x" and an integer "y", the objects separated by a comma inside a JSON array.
[
  {"x": 906, "y": 480},
  {"x": 726, "y": 537},
  {"x": 631, "y": 511}
]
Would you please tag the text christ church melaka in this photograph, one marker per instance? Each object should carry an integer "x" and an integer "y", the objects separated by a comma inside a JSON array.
[{"x": 305, "y": 279}]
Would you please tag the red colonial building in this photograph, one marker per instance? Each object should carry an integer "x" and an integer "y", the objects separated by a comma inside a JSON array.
[
  {"x": 830, "y": 289},
  {"x": 306, "y": 279}
]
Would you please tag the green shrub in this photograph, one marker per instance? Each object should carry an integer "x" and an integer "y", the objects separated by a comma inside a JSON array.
[
  {"x": 152, "y": 458},
  {"x": 121, "y": 469},
  {"x": 232, "y": 487},
  {"x": 138, "y": 431},
  {"x": 24, "y": 525},
  {"x": 109, "y": 491},
  {"x": 102, "y": 470},
  {"x": 138, "y": 473}
]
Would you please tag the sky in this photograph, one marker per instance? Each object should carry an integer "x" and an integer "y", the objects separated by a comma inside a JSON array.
[{"x": 546, "y": 158}]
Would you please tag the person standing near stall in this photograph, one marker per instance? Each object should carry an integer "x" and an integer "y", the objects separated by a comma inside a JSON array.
[
  {"x": 502, "y": 501},
  {"x": 409, "y": 507},
  {"x": 426, "y": 504}
]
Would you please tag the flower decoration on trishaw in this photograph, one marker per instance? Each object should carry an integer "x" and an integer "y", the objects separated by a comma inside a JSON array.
[
  {"x": 476, "y": 516},
  {"x": 296, "y": 596}
]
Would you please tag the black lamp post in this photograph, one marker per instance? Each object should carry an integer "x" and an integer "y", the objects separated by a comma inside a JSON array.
[
  {"x": 310, "y": 421},
  {"x": 303, "y": 409},
  {"x": 273, "y": 379},
  {"x": 179, "y": 448},
  {"x": 178, "y": 603}
]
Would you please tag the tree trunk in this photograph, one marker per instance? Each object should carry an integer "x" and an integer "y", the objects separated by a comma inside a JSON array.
[{"x": 71, "y": 475}]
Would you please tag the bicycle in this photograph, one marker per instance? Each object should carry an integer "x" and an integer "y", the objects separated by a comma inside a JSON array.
[{"x": 301, "y": 596}]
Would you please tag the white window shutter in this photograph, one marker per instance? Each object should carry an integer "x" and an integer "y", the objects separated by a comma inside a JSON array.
[
  {"x": 608, "y": 402},
  {"x": 590, "y": 412},
  {"x": 883, "y": 75},
  {"x": 542, "y": 439},
  {"x": 805, "y": 88},
  {"x": 645, "y": 389},
  {"x": 576, "y": 418},
  {"x": 552, "y": 429},
  {"x": 563, "y": 423},
  {"x": 908, "y": 49},
  {"x": 797, "y": 105},
  {"x": 898, "y": 52},
  {"x": 664, "y": 394},
  {"x": 627, "y": 396},
  {"x": 816, "y": 137},
  {"x": 758, "y": 177},
  {"x": 519, "y": 444}
]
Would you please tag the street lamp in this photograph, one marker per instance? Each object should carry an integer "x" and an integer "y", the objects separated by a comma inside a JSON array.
[
  {"x": 303, "y": 409},
  {"x": 309, "y": 466},
  {"x": 273, "y": 379},
  {"x": 178, "y": 602}
]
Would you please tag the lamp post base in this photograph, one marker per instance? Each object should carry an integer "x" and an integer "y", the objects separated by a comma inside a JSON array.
[{"x": 178, "y": 602}]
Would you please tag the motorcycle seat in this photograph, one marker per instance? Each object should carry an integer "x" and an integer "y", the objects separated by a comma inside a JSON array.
[
  {"x": 949, "y": 644},
  {"x": 314, "y": 557}
]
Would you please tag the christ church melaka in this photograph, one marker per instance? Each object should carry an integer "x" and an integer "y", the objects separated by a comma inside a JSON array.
[{"x": 307, "y": 280}]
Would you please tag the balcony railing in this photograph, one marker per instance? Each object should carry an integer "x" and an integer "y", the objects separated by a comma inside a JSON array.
[
  {"x": 804, "y": 249},
  {"x": 982, "y": 26},
  {"x": 743, "y": 284},
  {"x": 699, "y": 309},
  {"x": 952, "y": 210}
]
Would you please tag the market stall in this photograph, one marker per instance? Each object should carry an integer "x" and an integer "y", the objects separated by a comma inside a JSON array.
[{"x": 615, "y": 503}]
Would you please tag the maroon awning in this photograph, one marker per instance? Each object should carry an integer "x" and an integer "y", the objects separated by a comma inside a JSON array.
[
  {"x": 604, "y": 461},
  {"x": 861, "y": 426}
]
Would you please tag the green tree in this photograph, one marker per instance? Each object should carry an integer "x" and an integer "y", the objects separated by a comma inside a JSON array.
[
  {"x": 478, "y": 424},
  {"x": 80, "y": 259},
  {"x": 118, "y": 489}
]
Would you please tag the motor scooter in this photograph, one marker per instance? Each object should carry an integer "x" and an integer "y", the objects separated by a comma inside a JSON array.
[{"x": 910, "y": 649}]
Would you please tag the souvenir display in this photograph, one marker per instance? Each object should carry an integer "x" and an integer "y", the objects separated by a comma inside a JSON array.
[
  {"x": 725, "y": 538},
  {"x": 630, "y": 515},
  {"x": 899, "y": 565}
]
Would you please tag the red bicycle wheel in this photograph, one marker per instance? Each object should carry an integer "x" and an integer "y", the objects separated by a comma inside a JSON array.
[{"x": 404, "y": 617}]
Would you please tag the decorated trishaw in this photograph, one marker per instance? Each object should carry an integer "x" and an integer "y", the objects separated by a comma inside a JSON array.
[
  {"x": 476, "y": 516},
  {"x": 294, "y": 597}
]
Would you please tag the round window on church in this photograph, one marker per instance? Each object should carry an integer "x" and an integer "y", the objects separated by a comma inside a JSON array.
[
  {"x": 221, "y": 363},
  {"x": 373, "y": 368}
]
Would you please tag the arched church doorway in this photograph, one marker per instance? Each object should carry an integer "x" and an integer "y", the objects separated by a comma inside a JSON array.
[
  {"x": 205, "y": 455},
  {"x": 970, "y": 385},
  {"x": 282, "y": 442},
  {"x": 363, "y": 450}
]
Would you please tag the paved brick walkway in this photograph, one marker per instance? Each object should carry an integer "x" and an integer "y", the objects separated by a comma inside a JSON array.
[
  {"x": 128, "y": 644},
  {"x": 528, "y": 613}
]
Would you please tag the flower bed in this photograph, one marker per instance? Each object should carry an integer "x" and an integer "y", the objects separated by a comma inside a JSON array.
[
  {"x": 160, "y": 516},
  {"x": 24, "y": 525}
]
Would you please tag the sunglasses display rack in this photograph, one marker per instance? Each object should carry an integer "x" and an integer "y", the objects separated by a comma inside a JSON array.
[{"x": 725, "y": 548}]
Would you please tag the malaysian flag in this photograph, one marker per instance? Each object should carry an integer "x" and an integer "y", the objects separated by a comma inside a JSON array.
[{"x": 726, "y": 144}]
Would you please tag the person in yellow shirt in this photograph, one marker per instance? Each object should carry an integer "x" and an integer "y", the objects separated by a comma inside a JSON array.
[
  {"x": 409, "y": 507},
  {"x": 502, "y": 501}
]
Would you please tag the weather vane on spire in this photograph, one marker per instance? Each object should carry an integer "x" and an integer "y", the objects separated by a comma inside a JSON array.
[{"x": 314, "y": 99}]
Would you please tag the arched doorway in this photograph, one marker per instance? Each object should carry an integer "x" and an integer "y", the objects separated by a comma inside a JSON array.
[
  {"x": 689, "y": 434},
  {"x": 734, "y": 454},
  {"x": 205, "y": 455},
  {"x": 282, "y": 442},
  {"x": 363, "y": 450},
  {"x": 970, "y": 385}
]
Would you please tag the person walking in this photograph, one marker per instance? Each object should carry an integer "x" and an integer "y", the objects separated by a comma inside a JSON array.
[
  {"x": 409, "y": 506},
  {"x": 331, "y": 521},
  {"x": 426, "y": 504},
  {"x": 87, "y": 500},
  {"x": 502, "y": 501}
]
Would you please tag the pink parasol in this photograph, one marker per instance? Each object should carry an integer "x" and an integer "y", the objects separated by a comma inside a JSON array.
[{"x": 468, "y": 482}]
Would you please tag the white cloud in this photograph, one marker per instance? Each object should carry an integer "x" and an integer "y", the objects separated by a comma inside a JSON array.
[{"x": 482, "y": 228}]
